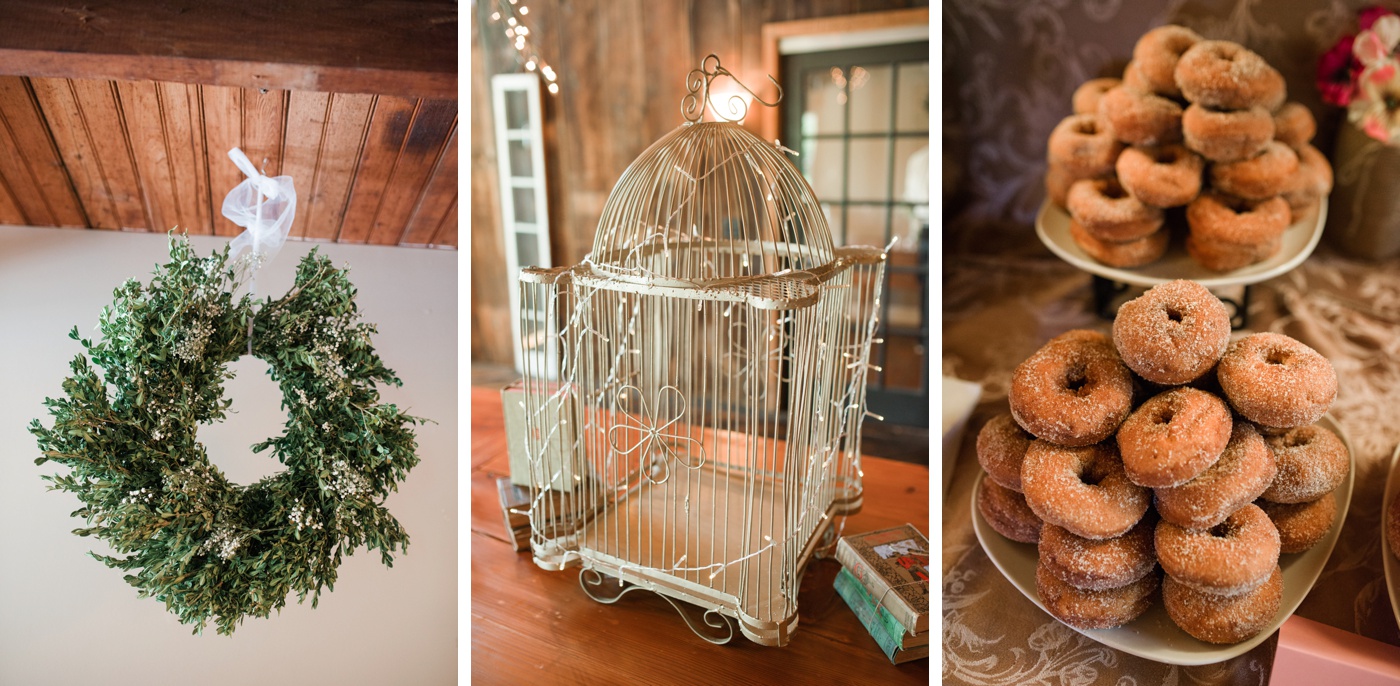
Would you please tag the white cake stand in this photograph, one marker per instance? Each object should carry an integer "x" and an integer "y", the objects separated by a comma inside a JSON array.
[{"x": 1299, "y": 241}]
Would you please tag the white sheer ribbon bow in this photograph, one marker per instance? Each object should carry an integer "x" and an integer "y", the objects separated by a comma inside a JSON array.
[{"x": 265, "y": 206}]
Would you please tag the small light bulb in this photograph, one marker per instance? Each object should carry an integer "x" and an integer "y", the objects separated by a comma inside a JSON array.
[
  {"x": 524, "y": 10},
  {"x": 553, "y": 88},
  {"x": 495, "y": 16},
  {"x": 530, "y": 66},
  {"x": 511, "y": 21}
]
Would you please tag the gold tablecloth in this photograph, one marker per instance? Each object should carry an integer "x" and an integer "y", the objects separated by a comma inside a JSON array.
[{"x": 999, "y": 310}]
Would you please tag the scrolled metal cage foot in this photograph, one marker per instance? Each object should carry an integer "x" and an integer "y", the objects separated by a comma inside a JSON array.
[{"x": 714, "y": 621}]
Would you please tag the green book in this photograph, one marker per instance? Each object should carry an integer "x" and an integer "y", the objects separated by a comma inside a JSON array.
[{"x": 888, "y": 633}]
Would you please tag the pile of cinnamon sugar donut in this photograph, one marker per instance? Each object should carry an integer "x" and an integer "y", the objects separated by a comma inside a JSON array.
[
  {"x": 1167, "y": 445},
  {"x": 1193, "y": 123}
]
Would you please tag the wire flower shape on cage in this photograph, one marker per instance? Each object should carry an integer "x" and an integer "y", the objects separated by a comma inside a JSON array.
[
  {"x": 655, "y": 441},
  {"x": 697, "y": 84}
]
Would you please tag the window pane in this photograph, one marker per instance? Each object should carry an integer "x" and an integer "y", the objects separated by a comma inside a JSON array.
[
  {"x": 527, "y": 249},
  {"x": 524, "y": 204},
  {"x": 911, "y": 225},
  {"x": 911, "y": 179},
  {"x": 870, "y": 98},
  {"x": 517, "y": 110},
  {"x": 866, "y": 225},
  {"x": 520, "y": 162},
  {"x": 825, "y": 109},
  {"x": 870, "y": 169},
  {"x": 821, "y": 163},
  {"x": 912, "y": 105}
]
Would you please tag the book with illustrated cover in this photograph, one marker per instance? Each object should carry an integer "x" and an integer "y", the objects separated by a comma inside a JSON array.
[
  {"x": 892, "y": 565},
  {"x": 898, "y": 647}
]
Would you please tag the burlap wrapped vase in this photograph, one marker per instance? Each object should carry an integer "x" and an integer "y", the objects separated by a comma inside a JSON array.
[{"x": 1363, "y": 218}]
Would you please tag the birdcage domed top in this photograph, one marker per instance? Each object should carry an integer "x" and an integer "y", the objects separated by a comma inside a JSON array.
[{"x": 710, "y": 202}]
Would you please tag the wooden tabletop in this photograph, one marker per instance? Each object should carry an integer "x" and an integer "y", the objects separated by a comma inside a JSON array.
[{"x": 529, "y": 624}]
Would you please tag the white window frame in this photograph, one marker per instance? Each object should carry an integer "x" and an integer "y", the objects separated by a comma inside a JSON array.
[{"x": 510, "y": 228}]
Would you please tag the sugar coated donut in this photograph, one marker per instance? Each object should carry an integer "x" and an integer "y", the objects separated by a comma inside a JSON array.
[
  {"x": 1313, "y": 181},
  {"x": 1226, "y": 219},
  {"x": 1001, "y": 446},
  {"x": 1226, "y": 135},
  {"x": 1157, "y": 53},
  {"x": 1073, "y": 391},
  {"x": 1099, "y": 565},
  {"x": 1007, "y": 512},
  {"x": 1228, "y": 76},
  {"x": 1173, "y": 333},
  {"x": 1086, "y": 97},
  {"x": 1109, "y": 212},
  {"x": 1139, "y": 117},
  {"x": 1083, "y": 145},
  {"x": 1161, "y": 177},
  {"x": 1245, "y": 469},
  {"x": 1223, "y": 257},
  {"x": 1294, "y": 125},
  {"x": 1127, "y": 254},
  {"x": 1134, "y": 80},
  {"x": 1082, "y": 489},
  {"x": 1311, "y": 461},
  {"x": 1230, "y": 558},
  {"x": 1094, "y": 609},
  {"x": 1223, "y": 620},
  {"x": 1301, "y": 525},
  {"x": 1173, "y": 437},
  {"x": 1263, "y": 176},
  {"x": 1276, "y": 381}
]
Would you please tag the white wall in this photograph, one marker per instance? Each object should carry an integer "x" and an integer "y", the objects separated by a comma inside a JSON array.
[{"x": 67, "y": 619}]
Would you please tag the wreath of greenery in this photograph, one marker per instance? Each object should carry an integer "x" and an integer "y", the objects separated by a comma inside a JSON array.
[{"x": 204, "y": 546}]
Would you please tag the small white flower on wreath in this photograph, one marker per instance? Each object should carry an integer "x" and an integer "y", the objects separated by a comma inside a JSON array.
[{"x": 656, "y": 439}]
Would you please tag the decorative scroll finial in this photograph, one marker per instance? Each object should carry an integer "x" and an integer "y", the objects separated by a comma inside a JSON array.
[{"x": 697, "y": 83}]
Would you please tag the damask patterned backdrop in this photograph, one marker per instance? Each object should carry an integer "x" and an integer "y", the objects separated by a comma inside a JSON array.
[{"x": 1009, "y": 67}]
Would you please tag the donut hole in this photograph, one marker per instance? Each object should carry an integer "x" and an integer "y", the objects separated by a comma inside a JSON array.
[
  {"x": 1278, "y": 357},
  {"x": 1167, "y": 156},
  {"x": 1077, "y": 381},
  {"x": 1174, "y": 314},
  {"x": 1113, "y": 191},
  {"x": 1164, "y": 416},
  {"x": 1223, "y": 530},
  {"x": 1092, "y": 476},
  {"x": 1295, "y": 440},
  {"x": 1087, "y": 127}
]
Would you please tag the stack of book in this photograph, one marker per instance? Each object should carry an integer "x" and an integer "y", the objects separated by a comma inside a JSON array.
[{"x": 884, "y": 580}]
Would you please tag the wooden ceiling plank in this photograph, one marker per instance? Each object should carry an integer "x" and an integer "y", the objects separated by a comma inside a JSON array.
[
  {"x": 302, "y": 145},
  {"x": 431, "y": 132},
  {"x": 186, "y": 157},
  {"x": 388, "y": 128},
  {"x": 402, "y": 48},
  {"x": 340, "y": 158},
  {"x": 141, "y": 106},
  {"x": 223, "y": 131},
  {"x": 31, "y": 163},
  {"x": 103, "y": 118},
  {"x": 60, "y": 107},
  {"x": 447, "y": 231},
  {"x": 439, "y": 193}
]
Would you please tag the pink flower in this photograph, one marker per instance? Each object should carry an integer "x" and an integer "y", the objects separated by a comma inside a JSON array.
[
  {"x": 1334, "y": 73},
  {"x": 1376, "y": 107},
  {"x": 1365, "y": 18}
]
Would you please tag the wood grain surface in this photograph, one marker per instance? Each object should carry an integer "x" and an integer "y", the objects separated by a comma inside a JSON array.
[{"x": 531, "y": 625}]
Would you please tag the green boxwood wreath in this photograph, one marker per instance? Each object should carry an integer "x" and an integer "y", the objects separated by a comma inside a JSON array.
[{"x": 208, "y": 548}]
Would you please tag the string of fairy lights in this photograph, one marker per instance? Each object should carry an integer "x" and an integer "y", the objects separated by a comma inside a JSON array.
[{"x": 509, "y": 14}]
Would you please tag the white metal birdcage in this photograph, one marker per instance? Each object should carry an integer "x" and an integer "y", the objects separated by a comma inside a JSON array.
[{"x": 704, "y": 426}]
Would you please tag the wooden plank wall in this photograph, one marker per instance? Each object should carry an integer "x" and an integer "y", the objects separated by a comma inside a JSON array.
[
  {"x": 622, "y": 67},
  {"x": 152, "y": 156}
]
